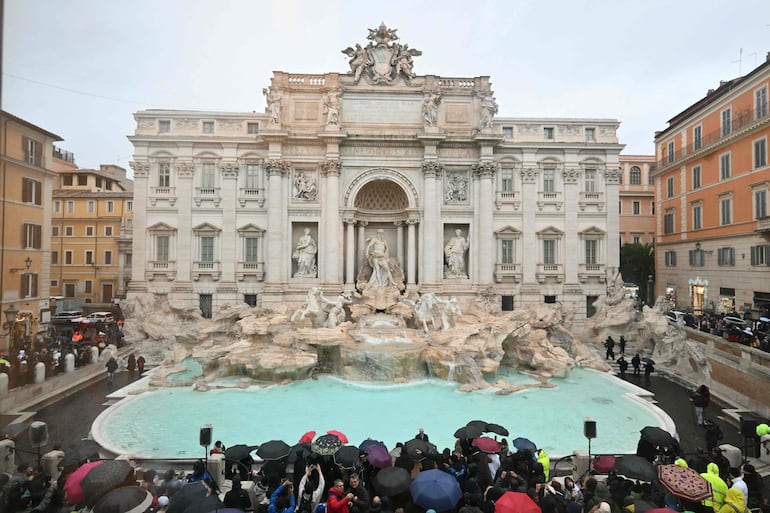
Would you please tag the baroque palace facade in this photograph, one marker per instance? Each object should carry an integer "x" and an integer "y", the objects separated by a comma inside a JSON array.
[{"x": 234, "y": 207}]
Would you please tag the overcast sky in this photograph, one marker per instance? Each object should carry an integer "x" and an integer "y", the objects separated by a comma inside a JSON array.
[{"x": 80, "y": 68}]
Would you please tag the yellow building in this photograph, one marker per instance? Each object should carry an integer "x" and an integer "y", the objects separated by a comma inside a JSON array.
[
  {"x": 26, "y": 184},
  {"x": 91, "y": 234}
]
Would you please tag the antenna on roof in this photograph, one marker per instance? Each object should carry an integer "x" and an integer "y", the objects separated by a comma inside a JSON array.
[{"x": 739, "y": 61}]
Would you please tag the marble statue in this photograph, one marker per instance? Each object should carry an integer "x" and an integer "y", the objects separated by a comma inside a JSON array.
[
  {"x": 430, "y": 109},
  {"x": 305, "y": 187},
  {"x": 382, "y": 60},
  {"x": 402, "y": 60},
  {"x": 332, "y": 108},
  {"x": 323, "y": 312},
  {"x": 359, "y": 60},
  {"x": 336, "y": 309},
  {"x": 305, "y": 254},
  {"x": 379, "y": 260},
  {"x": 488, "y": 110},
  {"x": 432, "y": 311},
  {"x": 273, "y": 105},
  {"x": 450, "y": 313},
  {"x": 454, "y": 252}
]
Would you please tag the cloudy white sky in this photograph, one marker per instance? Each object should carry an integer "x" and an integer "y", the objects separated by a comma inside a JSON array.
[{"x": 80, "y": 68}]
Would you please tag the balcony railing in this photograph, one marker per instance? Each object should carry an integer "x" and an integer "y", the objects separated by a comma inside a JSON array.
[
  {"x": 549, "y": 198},
  {"x": 207, "y": 193},
  {"x": 508, "y": 197},
  {"x": 591, "y": 271},
  {"x": 210, "y": 268},
  {"x": 739, "y": 121},
  {"x": 255, "y": 269},
  {"x": 251, "y": 194},
  {"x": 164, "y": 193},
  {"x": 160, "y": 267},
  {"x": 550, "y": 271},
  {"x": 510, "y": 271},
  {"x": 763, "y": 224}
]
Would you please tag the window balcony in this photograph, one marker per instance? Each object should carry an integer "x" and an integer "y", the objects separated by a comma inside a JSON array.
[
  {"x": 549, "y": 199},
  {"x": 763, "y": 225},
  {"x": 507, "y": 272},
  {"x": 162, "y": 193},
  {"x": 208, "y": 194},
  {"x": 246, "y": 194},
  {"x": 595, "y": 272},
  {"x": 255, "y": 269},
  {"x": 161, "y": 267},
  {"x": 508, "y": 198},
  {"x": 206, "y": 268},
  {"x": 553, "y": 272},
  {"x": 591, "y": 199}
]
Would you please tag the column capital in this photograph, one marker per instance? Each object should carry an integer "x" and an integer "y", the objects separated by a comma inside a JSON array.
[
  {"x": 349, "y": 220},
  {"x": 331, "y": 167},
  {"x": 277, "y": 167},
  {"x": 398, "y": 223},
  {"x": 484, "y": 169},
  {"x": 229, "y": 170},
  {"x": 141, "y": 169},
  {"x": 184, "y": 169},
  {"x": 529, "y": 175},
  {"x": 570, "y": 175},
  {"x": 412, "y": 222},
  {"x": 612, "y": 176},
  {"x": 432, "y": 168},
  {"x": 363, "y": 223}
]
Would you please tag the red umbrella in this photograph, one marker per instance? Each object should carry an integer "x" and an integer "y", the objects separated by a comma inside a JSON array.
[
  {"x": 684, "y": 482},
  {"x": 72, "y": 489},
  {"x": 487, "y": 444},
  {"x": 515, "y": 502},
  {"x": 341, "y": 436},
  {"x": 307, "y": 437}
]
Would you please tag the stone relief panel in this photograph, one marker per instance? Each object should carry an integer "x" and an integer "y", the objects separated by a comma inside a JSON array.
[
  {"x": 187, "y": 124},
  {"x": 230, "y": 125},
  {"x": 305, "y": 185},
  {"x": 381, "y": 151},
  {"x": 382, "y": 110},
  {"x": 145, "y": 123},
  {"x": 456, "y": 187}
]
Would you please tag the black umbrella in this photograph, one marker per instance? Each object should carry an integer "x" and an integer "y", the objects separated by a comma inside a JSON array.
[
  {"x": 188, "y": 495},
  {"x": 298, "y": 452},
  {"x": 126, "y": 499},
  {"x": 79, "y": 451},
  {"x": 635, "y": 467},
  {"x": 392, "y": 481},
  {"x": 481, "y": 424},
  {"x": 239, "y": 452},
  {"x": 347, "y": 456},
  {"x": 497, "y": 429},
  {"x": 273, "y": 450},
  {"x": 326, "y": 445},
  {"x": 649, "y": 360},
  {"x": 417, "y": 449},
  {"x": 658, "y": 437},
  {"x": 522, "y": 444},
  {"x": 469, "y": 432},
  {"x": 103, "y": 478},
  {"x": 368, "y": 443}
]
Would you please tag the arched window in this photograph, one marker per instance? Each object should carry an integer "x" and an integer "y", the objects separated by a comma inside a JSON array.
[{"x": 636, "y": 176}]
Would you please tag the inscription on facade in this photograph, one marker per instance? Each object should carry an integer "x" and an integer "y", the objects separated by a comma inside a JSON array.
[
  {"x": 457, "y": 113},
  {"x": 381, "y": 151},
  {"x": 305, "y": 111},
  {"x": 380, "y": 110}
]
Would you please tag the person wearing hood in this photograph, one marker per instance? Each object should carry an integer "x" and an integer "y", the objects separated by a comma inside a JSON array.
[
  {"x": 737, "y": 482},
  {"x": 734, "y": 502},
  {"x": 718, "y": 487},
  {"x": 338, "y": 502}
]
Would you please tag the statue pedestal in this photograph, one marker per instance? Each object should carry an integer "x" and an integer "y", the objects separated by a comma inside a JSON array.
[{"x": 380, "y": 298}]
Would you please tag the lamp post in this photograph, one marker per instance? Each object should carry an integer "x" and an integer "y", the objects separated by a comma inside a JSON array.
[{"x": 10, "y": 319}]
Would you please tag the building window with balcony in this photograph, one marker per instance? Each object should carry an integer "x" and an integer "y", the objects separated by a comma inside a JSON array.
[
  {"x": 760, "y": 153},
  {"x": 162, "y": 248},
  {"x": 207, "y": 249},
  {"x": 549, "y": 251},
  {"x": 32, "y": 236},
  {"x": 670, "y": 258},
  {"x": 208, "y": 175},
  {"x": 549, "y": 179},
  {"x": 760, "y": 102},
  {"x": 760, "y": 203},
  {"x": 670, "y": 187},
  {"x": 548, "y": 133},
  {"x": 697, "y": 212},
  {"x": 506, "y": 179},
  {"x": 727, "y": 126},
  {"x": 697, "y": 137},
  {"x": 252, "y": 128},
  {"x": 251, "y": 249},
  {"x": 671, "y": 152},
  {"x": 668, "y": 222},
  {"x": 33, "y": 151},
  {"x": 726, "y": 257},
  {"x": 506, "y": 251},
  {"x": 31, "y": 191},
  {"x": 725, "y": 211},
  {"x": 28, "y": 286},
  {"x": 696, "y": 180},
  {"x": 208, "y": 127},
  {"x": 724, "y": 166},
  {"x": 590, "y": 180},
  {"x": 251, "y": 179},
  {"x": 591, "y": 251},
  {"x": 164, "y": 126},
  {"x": 760, "y": 255},
  {"x": 508, "y": 132},
  {"x": 164, "y": 174},
  {"x": 636, "y": 176},
  {"x": 637, "y": 208}
]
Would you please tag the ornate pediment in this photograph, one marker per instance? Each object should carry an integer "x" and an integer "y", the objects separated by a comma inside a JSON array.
[{"x": 382, "y": 60}]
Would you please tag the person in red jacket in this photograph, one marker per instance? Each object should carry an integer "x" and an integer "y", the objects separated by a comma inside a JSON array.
[{"x": 337, "y": 501}]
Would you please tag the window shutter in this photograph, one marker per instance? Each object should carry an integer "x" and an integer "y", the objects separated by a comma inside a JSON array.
[
  {"x": 38, "y": 241},
  {"x": 22, "y": 291},
  {"x": 26, "y": 190},
  {"x": 23, "y": 235},
  {"x": 38, "y": 154},
  {"x": 25, "y": 147},
  {"x": 34, "y": 284},
  {"x": 39, "y": 193}
]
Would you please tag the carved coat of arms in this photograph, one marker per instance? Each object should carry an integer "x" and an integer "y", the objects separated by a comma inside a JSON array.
[{"x": 382, "y": 60}]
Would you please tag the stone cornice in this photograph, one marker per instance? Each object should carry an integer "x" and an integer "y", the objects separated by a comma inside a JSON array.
[{"x": 141, "y": 169}]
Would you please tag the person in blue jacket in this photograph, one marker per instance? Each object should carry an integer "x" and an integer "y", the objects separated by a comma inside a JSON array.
[{"x": 282, "y": 499}]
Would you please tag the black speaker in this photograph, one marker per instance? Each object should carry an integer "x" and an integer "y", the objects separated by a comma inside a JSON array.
[
  {"x": 38, "y": 434},
  {"x": 205, "y": 436},
  {"x": 589, "y": 428},
  {"x": 749, "y": 427}
]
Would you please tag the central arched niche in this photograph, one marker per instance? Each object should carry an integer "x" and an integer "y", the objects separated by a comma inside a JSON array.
[{"x": 381, "y": 195}]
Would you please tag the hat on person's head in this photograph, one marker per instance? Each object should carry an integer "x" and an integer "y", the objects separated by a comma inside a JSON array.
[
  {"x": 748, "y": 467},
  {"x": 735, "y": 472},
  {"x": 604, "y": 508},
  {"x": 162, "y": 501}
]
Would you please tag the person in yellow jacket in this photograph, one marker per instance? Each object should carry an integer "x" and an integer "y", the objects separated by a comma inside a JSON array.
[
  {"x": 734, "y": 502},
  {"x": 543, "y": 459},
  {"x": 718, "y": 487}
]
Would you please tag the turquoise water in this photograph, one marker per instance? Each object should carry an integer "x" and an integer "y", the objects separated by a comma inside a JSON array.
[
  {"x": 192, "y": 370},
  {"x": 166, "y": 422}
]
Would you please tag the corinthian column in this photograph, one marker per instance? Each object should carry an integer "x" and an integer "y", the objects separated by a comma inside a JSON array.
[
  {"x": 229, "y": 259},
  {"x": 485, "y": 240},
  {"x": 332, "y": 243},
  {"x": 139, "y": 238},
  {"x": 431, "y": 226},
  {"x": 276, "y": 231},
  {"x": 350, "y": 253}
]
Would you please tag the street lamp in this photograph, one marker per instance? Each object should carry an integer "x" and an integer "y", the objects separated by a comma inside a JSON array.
[
  {"x": 650, "y": 290},
  {"x": 27, "y": 262}
]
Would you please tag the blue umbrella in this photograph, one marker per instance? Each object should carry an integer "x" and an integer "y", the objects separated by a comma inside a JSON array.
[
  {"x": 435, "y": 489},
  {"x": 368, "y": 443},
  {"x": 522, "y": 444}
]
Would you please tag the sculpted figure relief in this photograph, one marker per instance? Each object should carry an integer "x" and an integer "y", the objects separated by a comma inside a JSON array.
[
  {"x": 488, "y": 110},
  {"x": 273, "y": 98},
  {"x": 323, "y": 311},
  {"x": 430, "y": 109},
  {"x": 456, "y": 189},
  {"x": 359, "y": 60},
  {"x": 432, "y": 311},
  {"x": 305, "y": 253},
  {"x": 454, "y": 252},
  {"x": 379, "y": 259},
  {"x": 305, "y": 187},
  {"x": 332, "y": 108},
  {"x": 383, "y": 59}
]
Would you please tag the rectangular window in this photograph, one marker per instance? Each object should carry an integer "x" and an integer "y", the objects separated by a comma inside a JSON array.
[
  {"x": 760, "y": 204},
  {"x": 110, "y": 207},
  {"x": 549, "y": 184},
  {"x": 33, "y": 151},
  {"x": 250, "y": 249},
  {"x": 590, "y": 179},
  {"x": 69, "y": 290},
  {"x": 89, "y": 257},
  {"x": 726, "y": 256},
  {"x": 727, "y": 126},
  {"x": 760, "y": 153},
  {"x": 696, "y": 183},
  {"x": 164, "y": 126},
  {"x": 590, "y": 134},
  {"x": 57, "y": 207},
  {"x": 32, "y": 236},
  {"x": 671, "y": 151},
  {"x": 54, "y": 283},
  {"x": 651, "y": 176},
  {"x": 208, "y": 127},
  {"x": 161, "y": 248},
  {"x": 89, "y": 287},
  {"x": 207, "y": 249},
  {"x": 108, "y": 257},
  {"x": 697, "y": 137},
  {"x": 592, "y": 246},
  {"x": 760, "y": 255},
  {"x": 28, "y": 285},
  {"x": 68, "y": 257},
  {"x": 508, "y": 132},
  {"x": 31, "y": 191},
  {"x": 69, "y": 231},
  {"x": 725, "y": 211},
  {"x": 548, "y": 133},
  {"x": 252, "y": 176},
  {"x": 637, "y": 206},
  {"x": 760, "y": 102},
  {"x": 652, "y": 207},
  {"x": 90, "y": 206},
  {"x": 164, "y": 174},
  {"x": 506, "y": 179},
  {"x": 54, "y": 257},
  {"x": 635, "y": 176},
  {"x": 250, "y": 299},
  {"x": 82, "y": 179},
  {"x": 108, "y": 231},
  {"x": 696, "y": 217},
  {"x": 506, "y": 303},
  {"x": 129, "y": 206},
  {"x": 252, "y": 128},
  {"x": 70, "y": 207},
  {"x": 205, "y": 303},
  {"x": 637, "y": 239},
  {"x": 670, "y": 257},
  {"x": 207, "y": 175},
  {"x": 668, "y": 222},
  {"x": 670, "y": 187},
  {"x": 89, "y": 231},
  {"x": 724, "y": 166},
  {"x": 507, "y": 251},
  {"x": 696, "y": 257},
  {"x": 67, "y": 179},
  {"x": 99, "y": 182},
  {"x": 549, "y": 251}
]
